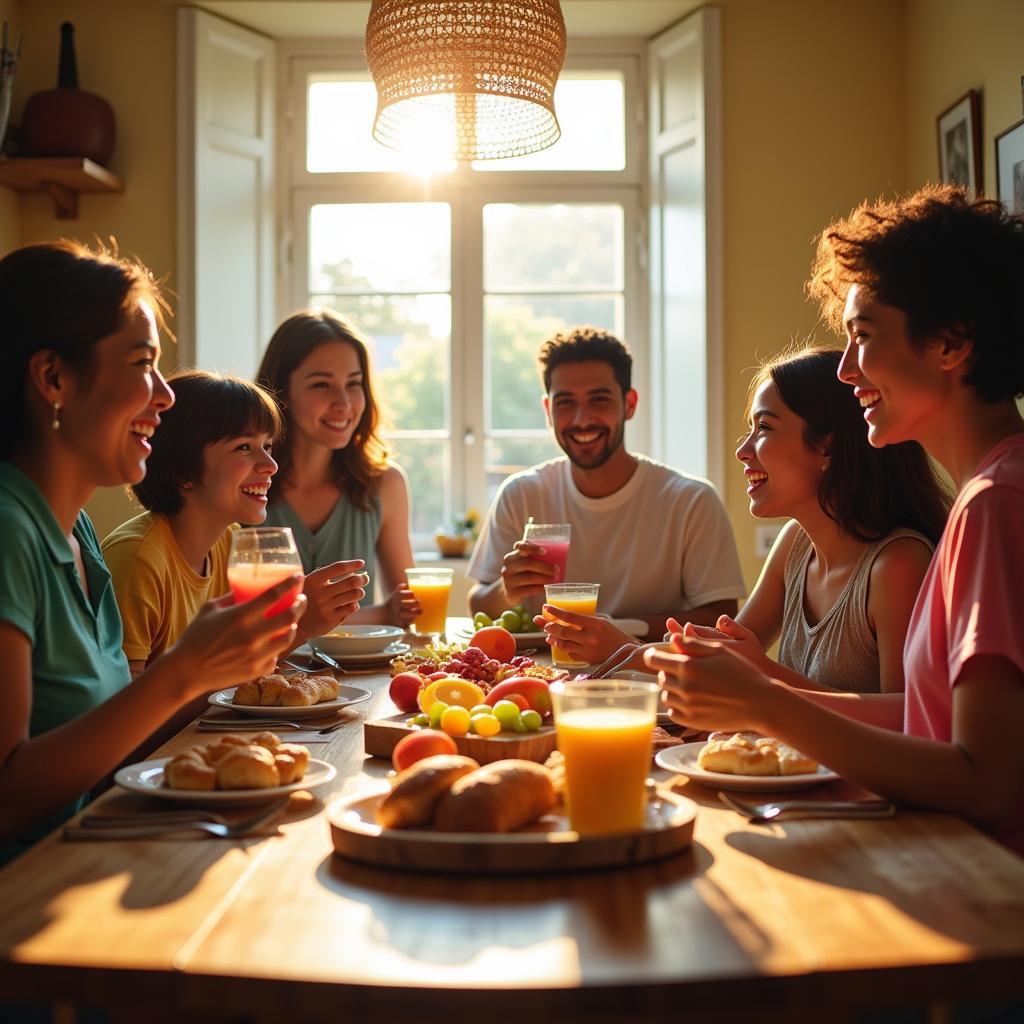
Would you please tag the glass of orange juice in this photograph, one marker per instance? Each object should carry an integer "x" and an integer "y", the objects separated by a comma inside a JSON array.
[
  {"x": 431, "y": 587},
  {"x": 262, "y": 556},
  {"x": 604, "y": 733},
  {"x": 573, "y": 597}
]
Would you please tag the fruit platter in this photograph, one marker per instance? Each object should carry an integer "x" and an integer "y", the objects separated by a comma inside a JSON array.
[{"x": 478, "y": 699}]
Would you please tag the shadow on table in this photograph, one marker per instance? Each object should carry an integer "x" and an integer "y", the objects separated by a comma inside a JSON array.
[{"x": 512, "y": 911}]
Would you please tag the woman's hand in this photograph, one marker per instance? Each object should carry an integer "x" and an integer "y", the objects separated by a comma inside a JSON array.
[
  {"x": 402, "y": 608},
  {"x": 708, "y": 685},
  {"x": 729, "y": 633},
  {"x": 227, "y": 643},
  {"x": 587, "y": 638},
  {"x": 334, "y": 593}
]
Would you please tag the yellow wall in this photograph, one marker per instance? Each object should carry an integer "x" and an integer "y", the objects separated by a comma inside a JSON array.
[
  {"x": 825, "y": 102},
  {"x": 9, "y": 228},
  {"x": 955, "y": 47},
  {"x": 814, "y": 122},
  {"x": 126, "y": 53}
]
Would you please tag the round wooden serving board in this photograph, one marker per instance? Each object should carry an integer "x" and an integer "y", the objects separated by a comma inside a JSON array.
[{"x": 548, "y": 845}]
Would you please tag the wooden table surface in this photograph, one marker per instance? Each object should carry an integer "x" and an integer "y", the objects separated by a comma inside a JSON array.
[{"x": 790, "y": 918}]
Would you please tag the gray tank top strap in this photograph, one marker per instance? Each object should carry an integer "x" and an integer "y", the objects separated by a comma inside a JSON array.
[{"x": 840, "y": 650}]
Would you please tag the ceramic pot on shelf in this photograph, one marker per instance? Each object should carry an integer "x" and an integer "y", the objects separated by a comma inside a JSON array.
[
  {"x": 67, "y": 121},
  {"x": 451, "y": 546}
]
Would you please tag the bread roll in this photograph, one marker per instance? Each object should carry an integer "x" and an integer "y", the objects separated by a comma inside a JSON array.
[
  {"x": 248, "y": 767},
  {"x": 292, "y": 760},
  {"x": 307, "y": 690},
  {"x": 499, "y": 797},
  {"x": 792, "y": 762},
  {"x": 213, "y": 752},
  {"x": 739, "y": 755},
  {"x": 416, "y": 791},
  {"x": 189, "y": 771},
  {"x": 248, "y": 694}
]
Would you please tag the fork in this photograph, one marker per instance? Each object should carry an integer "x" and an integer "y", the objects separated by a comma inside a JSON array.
[
  {"x": 149, "y": 818},
  {"x": 773, "y": 810},
  {"x": 325, "y": 658},
  {"x": 167, "y": 828},
  {"x": 246, "y": 724}
]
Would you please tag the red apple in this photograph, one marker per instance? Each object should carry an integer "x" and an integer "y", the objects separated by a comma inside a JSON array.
[{"x": 405, "y": 688}]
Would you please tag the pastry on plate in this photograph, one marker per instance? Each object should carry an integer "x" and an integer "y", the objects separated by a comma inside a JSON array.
[
  {"x": 744, "y": 753},
  {"x": 276, "y": 690},
  {"x": 233, "y": 762}
]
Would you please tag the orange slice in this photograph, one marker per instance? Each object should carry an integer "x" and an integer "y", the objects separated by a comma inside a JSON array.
[{"x": 453, "y": 691}]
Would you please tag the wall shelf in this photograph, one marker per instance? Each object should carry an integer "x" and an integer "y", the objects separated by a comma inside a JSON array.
[{"x": 63, "y": 179}]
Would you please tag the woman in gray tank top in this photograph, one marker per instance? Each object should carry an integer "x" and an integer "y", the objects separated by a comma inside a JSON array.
[
  {"x": 336, "y": 487},
  {"x": 840, "y": 582}
]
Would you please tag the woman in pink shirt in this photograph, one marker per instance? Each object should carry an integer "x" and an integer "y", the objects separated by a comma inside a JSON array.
[{"x": 927, "y": 290}]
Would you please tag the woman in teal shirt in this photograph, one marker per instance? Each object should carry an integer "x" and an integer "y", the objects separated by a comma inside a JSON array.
[
  {"x": 79, "y": 398},
  {"x": 336, "y": 487}
]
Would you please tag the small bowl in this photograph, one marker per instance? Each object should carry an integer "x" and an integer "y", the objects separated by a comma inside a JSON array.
[
  {"x": 358, "y": 639},
  {"x": 451, "y": 547}
]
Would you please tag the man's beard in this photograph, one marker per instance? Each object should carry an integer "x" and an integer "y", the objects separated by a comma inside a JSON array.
[{"x": 599, "y": 457}]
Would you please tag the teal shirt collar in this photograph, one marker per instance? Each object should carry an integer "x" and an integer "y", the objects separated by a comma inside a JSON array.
[{"x": 14, "y": 482}]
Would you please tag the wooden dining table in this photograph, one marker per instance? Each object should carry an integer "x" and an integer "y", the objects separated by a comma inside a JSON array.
[{"x": 801, "y": 920}]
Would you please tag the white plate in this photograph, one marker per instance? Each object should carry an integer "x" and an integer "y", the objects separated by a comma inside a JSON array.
[
  {"x": 347, "y": 695},
  {"x": 380, "y": 658},
  {"x": 147, "y": 777},
  {"x": 683, "y": 760},
  {"x": 358, "y": 640}
]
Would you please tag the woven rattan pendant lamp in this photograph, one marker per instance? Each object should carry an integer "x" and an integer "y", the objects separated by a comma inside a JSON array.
[{"x": 467, "y": 79}]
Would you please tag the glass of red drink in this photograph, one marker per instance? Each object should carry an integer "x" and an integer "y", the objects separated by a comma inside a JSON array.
[
  {"x": 261, "y": 557},
  {"x": 554, "y": 539}
]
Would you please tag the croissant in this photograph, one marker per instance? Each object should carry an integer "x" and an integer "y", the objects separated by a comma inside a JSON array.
[{"x": 286, "y": 691}]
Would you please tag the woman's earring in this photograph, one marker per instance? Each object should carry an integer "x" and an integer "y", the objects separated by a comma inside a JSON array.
[
  {"x": 824, "y": 467},
  {"x": 55, "y": 423}
]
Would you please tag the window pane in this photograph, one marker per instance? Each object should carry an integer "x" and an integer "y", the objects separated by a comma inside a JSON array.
[
  {"x": 411, "y": 337},
  {"x": 506, "y": 455},
  {"x": 426, "y": 462},
  {"x": 339, "y": 129},
  {"x": 514, "y": 328},
  {"x": 553, "y": 247},
  {"x": 591, "y": 113},
  {"x": 380, "y": 247}
]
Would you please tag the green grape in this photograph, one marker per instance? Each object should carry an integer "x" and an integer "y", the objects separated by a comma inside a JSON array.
[
  {"x": 482, "y": 619},
  {"x": 482, "y": 709},
  {"x": 511, "y": 621},
  {"x": 506, "y": 712},
  {"x": 532, "y": 720},
  {"x": 519, "y": 725},
  {"x": 437, "y": 709},
  {"x": 419, "y": 720}
]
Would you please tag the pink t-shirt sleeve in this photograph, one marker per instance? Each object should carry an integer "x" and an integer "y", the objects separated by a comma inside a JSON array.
[{"x": 983, "y": 579}]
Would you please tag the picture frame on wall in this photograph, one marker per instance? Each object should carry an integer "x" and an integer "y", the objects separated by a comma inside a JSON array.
[
  {"x": 959, "y": 131},
  {"x": 1010, "y": 167}
]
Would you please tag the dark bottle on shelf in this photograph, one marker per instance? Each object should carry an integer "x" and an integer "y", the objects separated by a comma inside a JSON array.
[{"x": 67, "y": 121}]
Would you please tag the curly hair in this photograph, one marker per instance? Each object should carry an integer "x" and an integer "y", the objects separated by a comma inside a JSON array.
[
  {"x": 66, "y": 297},
  {"x": 586, "y": 344},
  {"x": 208, "y": 407},
  {"x": 868, "y": 492},
  {"x": 358, "y": 466},
  {"x": 949, "y": 262}
]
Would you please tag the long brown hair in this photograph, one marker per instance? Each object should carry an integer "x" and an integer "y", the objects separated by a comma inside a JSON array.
[
  {"x": 868, "y": 492},
  {"x": 357, "y": 467}
]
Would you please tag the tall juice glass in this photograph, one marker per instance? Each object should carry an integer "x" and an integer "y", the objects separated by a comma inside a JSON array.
[
  {"x": 431, "y": 587},
  {"x": 261, "y": 557},
  {"x": 573, "y": 597},
  {"x": 604, "y": 733},
  {"x": 554, "y": 538}
]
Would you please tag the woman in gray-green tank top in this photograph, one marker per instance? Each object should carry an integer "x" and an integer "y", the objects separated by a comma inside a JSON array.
[
  {"x": 840, "y": 581},
  {"x": 336, "y": 487}
]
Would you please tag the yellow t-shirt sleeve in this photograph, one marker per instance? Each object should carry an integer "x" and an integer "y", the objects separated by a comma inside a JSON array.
[{"x": 139, "y": 597}]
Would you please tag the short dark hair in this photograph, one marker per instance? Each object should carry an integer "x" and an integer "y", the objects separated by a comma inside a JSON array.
[
  {"x": 65, "y": 297},
  {"x": 208, "y": 407},
  {"x": 948, "y": 262},
  {"x": 868, "y": 492},
  {"x": 584, "y": 345}
]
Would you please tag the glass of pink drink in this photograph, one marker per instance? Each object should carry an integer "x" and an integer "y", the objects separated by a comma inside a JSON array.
[
  {"x": 261, "y": 557},
  {"x": 554, "y": 539}
]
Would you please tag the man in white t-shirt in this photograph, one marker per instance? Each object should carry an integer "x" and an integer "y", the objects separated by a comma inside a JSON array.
[{"x": 658, "y": 541}]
